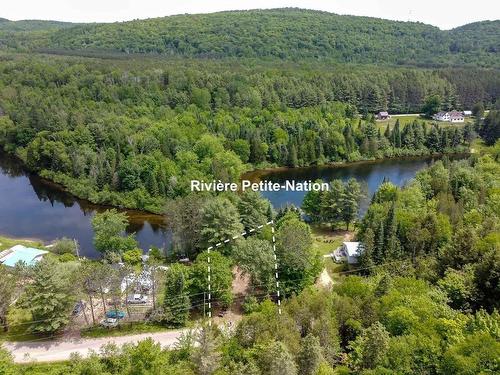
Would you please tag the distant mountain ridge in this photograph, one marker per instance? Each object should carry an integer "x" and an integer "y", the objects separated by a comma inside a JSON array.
[
  {"x": 287, "y": 34},
  {"x": 33, "y": 25}
]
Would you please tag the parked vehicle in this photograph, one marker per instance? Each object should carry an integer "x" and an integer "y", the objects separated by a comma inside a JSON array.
[
  {"x": 115, "y": 314},
  {"x": 109, "y": 322},
  {"x": 137, "y": 299},
  {"x": 80, "y": 305}
]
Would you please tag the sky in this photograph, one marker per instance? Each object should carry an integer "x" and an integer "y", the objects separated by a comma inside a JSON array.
[{"x": 445, "y": 14}]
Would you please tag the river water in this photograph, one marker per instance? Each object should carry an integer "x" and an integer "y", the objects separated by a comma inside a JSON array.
[{"x": 31, "y": 207}]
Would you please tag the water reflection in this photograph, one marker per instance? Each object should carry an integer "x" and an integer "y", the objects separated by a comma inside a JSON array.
[
  {"x": 32, "y": 207},
  {"x": 369, "y": 174}
]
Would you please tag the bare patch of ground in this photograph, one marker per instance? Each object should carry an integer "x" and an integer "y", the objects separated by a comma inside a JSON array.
[{"x": 324, "y": 280}]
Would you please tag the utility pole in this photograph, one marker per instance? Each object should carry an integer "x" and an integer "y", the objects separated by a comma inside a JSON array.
[{"x": 76, "y": 248}]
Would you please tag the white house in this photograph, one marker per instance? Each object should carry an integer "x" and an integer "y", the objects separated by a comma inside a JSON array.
[
  {"x": 442, "y": 116},
  {"x": 456, "y": 116},
  {"x": 452, "y": 116},
  {"x": 467, "y": 113},
  {"x": 349, "y": 251}
]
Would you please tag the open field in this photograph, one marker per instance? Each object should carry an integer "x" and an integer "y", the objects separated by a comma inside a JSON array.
[{"x": 406, "y": 119}]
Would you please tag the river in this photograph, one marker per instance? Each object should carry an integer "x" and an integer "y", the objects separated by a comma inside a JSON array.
[{"x": 31, "y": 207}]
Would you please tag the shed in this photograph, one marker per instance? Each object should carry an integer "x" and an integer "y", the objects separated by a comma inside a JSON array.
[{"x": 383, "y": 115}]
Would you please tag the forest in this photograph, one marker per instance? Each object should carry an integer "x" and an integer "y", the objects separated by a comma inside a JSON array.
[
  {"x": 134, "y": 133},
  {"x": 286, "y": 34}
]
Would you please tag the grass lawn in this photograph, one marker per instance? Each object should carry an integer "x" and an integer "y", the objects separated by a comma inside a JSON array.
[
  {"x": 326, "y": 241},
  {"x": 478, "y": 147},
  {"x": 18, "y": 321},
  {"x": 7, "y": 243},
  {"x": 123, "y": 329}
]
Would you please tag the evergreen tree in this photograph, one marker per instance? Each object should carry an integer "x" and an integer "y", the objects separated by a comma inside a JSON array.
[
  {"x": 396, "y": 135},
  {"x": 50, "y": 296},
  {"x": 206, "y": 357},
  {"x": 310, "y": 355},
  {"x": 253, "y": 209},
  {"x": 387, "y": 132},
  {"x": 220, "y": 221},
  {"x": 350, "y": 201},
  {"x": 331, "y": 203},
  {"x": 379, "y": 253},
  {"x": 176, "y": 303}
]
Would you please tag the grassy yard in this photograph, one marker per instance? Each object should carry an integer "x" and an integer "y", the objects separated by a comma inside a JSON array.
[
  {"x": 7, "y": 243},
  {"x": 19, "y": 323},
  {"x": 326, "y": 241}
]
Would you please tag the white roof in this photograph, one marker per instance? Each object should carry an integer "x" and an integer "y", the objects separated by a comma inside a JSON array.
[{"x": 352, "y": 248}]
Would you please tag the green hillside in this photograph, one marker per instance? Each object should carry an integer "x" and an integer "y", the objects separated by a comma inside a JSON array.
[
  {"x": 32, "y": 25},
  {"x": 286, "y": 34},
  {"x": 291, "y": 34}
]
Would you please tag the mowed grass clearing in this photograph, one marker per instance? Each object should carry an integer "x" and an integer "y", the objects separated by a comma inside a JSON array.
[{"x": 404, "y": 120}]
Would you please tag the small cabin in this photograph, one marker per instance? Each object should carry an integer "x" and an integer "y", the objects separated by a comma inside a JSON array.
[{"x": 383, "y": 115}]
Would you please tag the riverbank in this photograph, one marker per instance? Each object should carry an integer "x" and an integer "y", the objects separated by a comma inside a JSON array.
[
  {"x": 258, "y": 174},
  {"x": 68, "y": 185}
]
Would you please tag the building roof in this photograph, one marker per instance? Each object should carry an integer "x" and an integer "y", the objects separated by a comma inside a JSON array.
[
  {"x": 383, "y": 113},
  {"x": 352, "y": 248},
  {"x": 19, "y": 253}
]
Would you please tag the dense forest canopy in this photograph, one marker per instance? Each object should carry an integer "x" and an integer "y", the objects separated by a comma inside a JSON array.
[
  {"x": 132, "y": 133},
  {"x": 288, "y": 34}
]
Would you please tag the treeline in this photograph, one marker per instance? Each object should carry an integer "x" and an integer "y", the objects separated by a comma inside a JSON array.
[
  {"x": 260, "y": 34},
  {"x": 251, "y": 83},
  {"x": 113, "y": 135}
]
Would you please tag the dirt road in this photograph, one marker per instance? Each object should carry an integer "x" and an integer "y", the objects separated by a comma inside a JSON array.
[{"x": 60, "y": 350}]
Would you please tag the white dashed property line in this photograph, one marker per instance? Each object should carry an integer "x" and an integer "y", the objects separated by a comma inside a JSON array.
[
  {"x": 276, "y": 268},
  {"x": 209, "y": 269}
]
